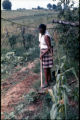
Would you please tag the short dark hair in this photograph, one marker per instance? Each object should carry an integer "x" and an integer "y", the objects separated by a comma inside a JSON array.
[{"x": 42, "y": 26}]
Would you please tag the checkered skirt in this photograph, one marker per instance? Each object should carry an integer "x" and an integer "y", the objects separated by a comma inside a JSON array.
[{"x": 47, "y": 59}]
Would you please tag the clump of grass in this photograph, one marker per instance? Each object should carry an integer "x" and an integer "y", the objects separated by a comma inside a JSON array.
[
  {"x": 37, "y": 68},
  {"x": 36, "y": 85}
]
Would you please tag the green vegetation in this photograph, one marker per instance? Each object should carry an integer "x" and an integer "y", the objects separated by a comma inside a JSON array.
[
  {"x": 61, "y": 90},
  {"x": 19, "y": 48},
  {"x": 7, "y": 5}
]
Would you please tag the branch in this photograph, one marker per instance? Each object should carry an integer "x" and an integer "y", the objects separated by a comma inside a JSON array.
[
  {"x": 66, "y": 23},
  {"x": 72, "y": 82}
]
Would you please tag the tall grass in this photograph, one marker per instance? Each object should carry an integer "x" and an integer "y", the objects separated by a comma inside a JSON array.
[{"x": 61, "y": 90}]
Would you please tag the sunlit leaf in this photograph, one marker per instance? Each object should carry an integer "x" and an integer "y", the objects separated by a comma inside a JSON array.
[
  {"x": 51, "y": 94},
  {"x": 54, "y": 112}
]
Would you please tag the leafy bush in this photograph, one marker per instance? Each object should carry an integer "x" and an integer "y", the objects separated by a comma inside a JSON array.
[
  {"x": 60, "y": 90},
  {"x": 30, "y": 40},
  {"x": 59, "y": 94},
  {"x": 69, "y": 36},
  {"x": 9, "y": 116},
  {"x": 7, "y": 5},
  {"x": 9, "y": 61},
  {"x": 12, "y": 40}
]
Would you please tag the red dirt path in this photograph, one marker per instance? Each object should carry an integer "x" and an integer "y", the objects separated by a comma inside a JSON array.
[{"x": 14, "y": 93}]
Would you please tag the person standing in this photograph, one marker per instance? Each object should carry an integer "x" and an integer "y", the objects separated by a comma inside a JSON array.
[{"x": 46, "y": 53}]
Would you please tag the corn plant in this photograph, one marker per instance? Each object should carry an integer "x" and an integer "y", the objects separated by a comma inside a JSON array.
[{"x": 60, "y": 90}]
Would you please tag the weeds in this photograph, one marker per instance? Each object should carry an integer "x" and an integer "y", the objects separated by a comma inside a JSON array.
[{"x": 60, "y": 90}]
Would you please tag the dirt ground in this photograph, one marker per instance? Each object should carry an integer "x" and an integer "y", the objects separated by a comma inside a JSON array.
[
  {"x": 13, "y": 92},
  {"x": 18, "y": 84}
]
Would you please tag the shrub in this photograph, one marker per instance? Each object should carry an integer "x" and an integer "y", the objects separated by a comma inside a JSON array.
[
  {"x": 12, "y": 41},
  {"x": 7, "y": 5}
]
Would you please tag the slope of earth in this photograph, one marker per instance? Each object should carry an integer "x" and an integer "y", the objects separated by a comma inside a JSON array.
[{"x": 16, "y": 86}]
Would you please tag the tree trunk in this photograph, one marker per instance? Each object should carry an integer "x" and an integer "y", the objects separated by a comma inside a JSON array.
[
  {"x": 66, "y": 23},
  {"x": 23, "y": 32}
]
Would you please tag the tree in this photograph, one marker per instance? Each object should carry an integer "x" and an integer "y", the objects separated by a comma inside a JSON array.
[
  {"x": 40, "y": 8},
  {"x": 59, "y": 7},
  {"x": 69, "y": 38},
  {"x": 65, "y": 3},
  {"x": 6, "y": 5},
  {"x": 54, "y": 7},
  {"x": 49, "y": 6}
]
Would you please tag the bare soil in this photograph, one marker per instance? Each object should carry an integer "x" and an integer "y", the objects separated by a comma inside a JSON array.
[{"x": 13, "y": 92}]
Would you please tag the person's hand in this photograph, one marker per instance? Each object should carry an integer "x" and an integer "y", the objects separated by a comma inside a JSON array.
[
  {"x": 51, "y": 54},
  {"x": 41, "y": 57}
]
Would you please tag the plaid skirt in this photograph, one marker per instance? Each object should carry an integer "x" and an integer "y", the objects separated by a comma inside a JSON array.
[{"x": 47, "y": 59}]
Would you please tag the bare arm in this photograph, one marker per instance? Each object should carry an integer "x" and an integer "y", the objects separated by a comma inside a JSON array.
[{"x": 48, "y": 42}]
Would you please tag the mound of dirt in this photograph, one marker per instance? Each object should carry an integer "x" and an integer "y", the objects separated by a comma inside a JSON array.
[{"x": 14, "y": 93}]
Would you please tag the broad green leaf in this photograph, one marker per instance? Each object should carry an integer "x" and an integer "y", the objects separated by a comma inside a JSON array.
[
  {"x": 54, "y": 112},
  {"x": 55, "y": 93},
  {"x": 19, "y": 107},
  {"x": 65, "y": 103},
  {"x": 75, "y": 74},
  {"x": 62, "y": 65},
  {"x": 66, "y": 88},
  {"x": 58, "y": 77},
  {"x": 51, "y": 94},
  {"x": 12, "y": 115},
  {"x": 63, "y": 58}
]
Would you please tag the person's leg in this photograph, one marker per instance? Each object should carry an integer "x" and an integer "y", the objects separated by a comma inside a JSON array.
[
  {"x": 49, "y": 74},
  {"x": 46, "y": 75}
]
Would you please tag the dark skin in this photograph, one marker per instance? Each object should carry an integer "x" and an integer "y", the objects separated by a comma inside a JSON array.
[{"x": 47, "y": 71}]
